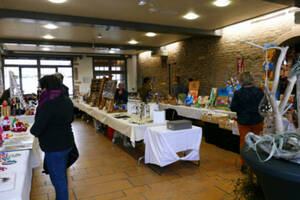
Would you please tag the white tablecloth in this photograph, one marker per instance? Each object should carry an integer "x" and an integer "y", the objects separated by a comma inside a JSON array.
[
  {"x": 194, "y": 113},
  {"x": 23, "y": 176},
  {"x": 162, "y": 145},
  {"x": 125, "y": 126},
  {"x": 24, "y": 118}
]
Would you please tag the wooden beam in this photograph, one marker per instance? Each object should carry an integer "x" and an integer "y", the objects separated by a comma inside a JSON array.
[{"x": 103, "y": 23}]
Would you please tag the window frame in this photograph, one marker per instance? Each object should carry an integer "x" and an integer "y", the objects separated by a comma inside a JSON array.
[
  {"x": 110, "y": 65},
  {"x": 38, "y": 66}
]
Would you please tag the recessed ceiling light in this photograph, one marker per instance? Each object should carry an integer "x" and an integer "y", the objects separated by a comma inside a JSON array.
[
  {"x": 50, "y": 26},
  {"x": 133, "y": 42},
  {"x": 46, "y": 49},
  {"x": 222, "y": 3},
  {"x": 150, "y": 34},
  {"x": 48, "y": 37},
  {"x": 190, "y": 16},
  {"x": 142, "y": 2},
  {"x": 115, "y": 49},
  {"x": 57, "y": 1}
]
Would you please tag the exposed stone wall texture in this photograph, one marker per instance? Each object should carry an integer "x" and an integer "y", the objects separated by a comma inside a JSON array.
[{"x": 214, "y": 60}]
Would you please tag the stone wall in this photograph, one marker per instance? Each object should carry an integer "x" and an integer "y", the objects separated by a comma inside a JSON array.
[{"x": 214, "y": 60}]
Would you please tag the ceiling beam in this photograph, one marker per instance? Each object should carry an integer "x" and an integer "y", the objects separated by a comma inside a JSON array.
[
  {"x": 77, "y": 44},
  {"x": 102, "y": 23},
  {"x": 286, "y": 2}
]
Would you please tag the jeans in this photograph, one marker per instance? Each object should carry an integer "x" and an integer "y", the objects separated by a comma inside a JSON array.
[{"x": 57, "y": 166}]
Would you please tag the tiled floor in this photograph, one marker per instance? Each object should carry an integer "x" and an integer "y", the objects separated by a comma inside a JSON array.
[{"x": 105, "y": 172}]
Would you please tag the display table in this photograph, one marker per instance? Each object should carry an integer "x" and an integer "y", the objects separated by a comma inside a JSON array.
[
  {"x": 193, "y": 112},
  {"x": 18, "y": 141},
  {"x": 162, "y": 145},
  {"x": 22, "y": 172},
  {"x": 278, "y": 178},
  {"x": 131, "y": 127},
  {"x": 25, "y": 118}
]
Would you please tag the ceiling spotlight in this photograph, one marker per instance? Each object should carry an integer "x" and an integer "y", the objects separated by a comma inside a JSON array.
[
  {"x": 46, "y": 49},
  {"x": 50, "y": 26},
  {"x": 48, "y": 37},
  {"x": 115, "y": 49},
  {"x": 133, "y": 42},
  {"x": 57, "y": 1},
  {"x": 151, "y": 34},
  {"x": 99, "y": 36},
  {"x": 142, "y": 2},
  {"x": 222, "y": 3},
  {"x": 190, "y": 16}
]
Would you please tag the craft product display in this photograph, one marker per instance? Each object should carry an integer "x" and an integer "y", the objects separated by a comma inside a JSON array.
[
  {"x": 96, "y": 91},
  {"x": 108, "y": 95},
  {"x": 222, "y": 98}
]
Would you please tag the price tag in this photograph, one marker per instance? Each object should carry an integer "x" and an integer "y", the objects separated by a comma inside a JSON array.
[{"x": 209, "y": 117}]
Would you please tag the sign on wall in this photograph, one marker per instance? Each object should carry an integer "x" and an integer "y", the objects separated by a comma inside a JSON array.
[{"x": 240, "y": 65}]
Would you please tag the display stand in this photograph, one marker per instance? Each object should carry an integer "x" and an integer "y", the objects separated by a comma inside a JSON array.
[
  {"x": 194, "y": 89},
  {"x": 96, "y": 91},
  {"x": 108, "y": 96}
]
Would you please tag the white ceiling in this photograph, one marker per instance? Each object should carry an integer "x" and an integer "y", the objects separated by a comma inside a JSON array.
[{"x": 168, "y": 12}]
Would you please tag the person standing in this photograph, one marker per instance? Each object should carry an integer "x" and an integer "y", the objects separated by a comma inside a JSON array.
[
  {"x": 145, "y": 89},
  {"x": 245, "y": 103},
  {"x": 61, "y": 78},
  {"x": 121, "y": 95},
  {"x": 52, "y": 127},
  {"x": 177, "y": 87}
]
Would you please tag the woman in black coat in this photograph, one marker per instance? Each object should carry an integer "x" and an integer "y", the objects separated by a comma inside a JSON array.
[{"x": 53, "y": 128}]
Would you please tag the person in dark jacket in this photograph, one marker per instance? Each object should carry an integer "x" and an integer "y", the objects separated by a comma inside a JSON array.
[
  {"x": 121, "y": 95},
  {"x": 52, "y": 127},
  {"x": 245, "y": 103},
  {"x": 145, "y": 89},
  {"x": 61, "y": 78}
]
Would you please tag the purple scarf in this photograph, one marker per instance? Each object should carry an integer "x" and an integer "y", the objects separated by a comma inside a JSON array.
[{"x": 48, "y": 95}]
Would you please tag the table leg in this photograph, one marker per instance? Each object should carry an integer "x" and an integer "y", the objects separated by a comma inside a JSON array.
[{"x": 140, "y": 159}]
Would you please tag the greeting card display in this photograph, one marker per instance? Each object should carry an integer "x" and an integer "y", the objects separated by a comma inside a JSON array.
[
  {"x": 212, "y": 97},
  {"x": 193, "y": 89},
  {"x": 222, "y": 98}
]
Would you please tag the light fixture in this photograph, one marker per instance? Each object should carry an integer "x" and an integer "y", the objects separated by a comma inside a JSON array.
[
  {"x": 142, "y": 2},
  {"x": 99, "y": 36},
  {"x": 151, "y": 34},
  {"x": 57, "y": 1},
  {"x": 133, "y": 42},
  {"x": 50, "y": 26},
  {"x": 48, "y": 37},
  {"x": 111, "y": 51},
  {"x": 46, "y": 49},
  {"x": 190, "y": 16},
  {"x": 115, "y": 49},
  {"x": 222, "y": 3}
]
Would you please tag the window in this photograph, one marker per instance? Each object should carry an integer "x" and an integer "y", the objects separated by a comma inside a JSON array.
[
  {"x": 56, "y": 62},
  {"x": 29, "y": 80},
  {"x": 16, "y": 72},
  {"x": 47, "y": 71},
  {"x": 67, "y": 72},
  {"x": 20, "y": 62},
  {"x": 115, "y": 67},
  {"x": 27, "y": 71}
]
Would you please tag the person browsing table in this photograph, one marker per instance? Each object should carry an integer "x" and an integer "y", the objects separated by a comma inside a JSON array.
[{"x": 53, "y": 128}]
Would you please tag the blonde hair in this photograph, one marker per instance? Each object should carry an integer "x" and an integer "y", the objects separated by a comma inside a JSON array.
[{"x": 246, "y": 78}]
